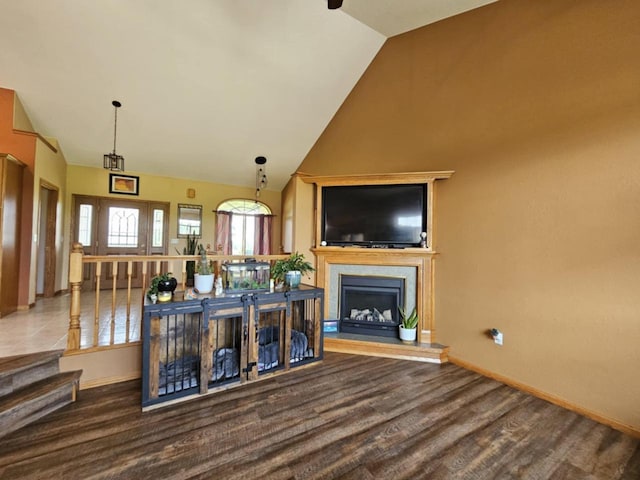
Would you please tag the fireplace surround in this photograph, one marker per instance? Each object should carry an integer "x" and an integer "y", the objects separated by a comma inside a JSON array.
[{"x": 414, "y": 262}]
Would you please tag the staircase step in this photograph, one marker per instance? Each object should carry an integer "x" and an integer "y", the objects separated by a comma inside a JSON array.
[
  {"x": 31, "y": 402},
  {"x": 21, "y": 370}
]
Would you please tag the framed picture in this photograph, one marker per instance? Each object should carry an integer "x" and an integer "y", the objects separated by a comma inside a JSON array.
[{"x": 124, "y": 184}]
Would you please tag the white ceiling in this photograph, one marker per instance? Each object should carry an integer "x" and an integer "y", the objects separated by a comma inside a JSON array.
[{"x": 205, "y": 85}]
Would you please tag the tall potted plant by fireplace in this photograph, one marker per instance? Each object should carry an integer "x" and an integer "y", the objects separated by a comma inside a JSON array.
[{"x": 409, "y": 325}]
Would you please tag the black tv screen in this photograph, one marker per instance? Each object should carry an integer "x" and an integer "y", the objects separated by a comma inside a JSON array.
[{"x": 374, "y": 215}]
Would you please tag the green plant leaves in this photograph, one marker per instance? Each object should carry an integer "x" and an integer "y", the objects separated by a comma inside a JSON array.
[
  {"x": 295, "y": 261},
  {"x": 409, "y": 321}
]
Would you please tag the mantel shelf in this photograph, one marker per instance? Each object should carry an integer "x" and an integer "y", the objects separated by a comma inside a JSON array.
[
  {"x": 364, "y": 251},
  {"x": 375, "y": 179}
]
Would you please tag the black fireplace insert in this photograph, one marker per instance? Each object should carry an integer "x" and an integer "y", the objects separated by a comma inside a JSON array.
[{"x": 369, "y": 304}]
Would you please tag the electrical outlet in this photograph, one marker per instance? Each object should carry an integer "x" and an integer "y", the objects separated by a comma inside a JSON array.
[{"x": 498, "y": 338}]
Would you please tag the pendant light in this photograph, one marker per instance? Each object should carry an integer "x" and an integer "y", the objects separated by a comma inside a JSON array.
[
  {"x": 113, "y": 161},
  {"x": 261, "y": 174}
]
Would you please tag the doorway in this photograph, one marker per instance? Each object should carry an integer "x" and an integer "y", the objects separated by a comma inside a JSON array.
[
  {"x": 46, "y": 256},
  {"x": 108, "y": 226}
]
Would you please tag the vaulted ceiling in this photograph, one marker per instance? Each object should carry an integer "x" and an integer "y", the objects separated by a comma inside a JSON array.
[{"x": 205, "y": 85}]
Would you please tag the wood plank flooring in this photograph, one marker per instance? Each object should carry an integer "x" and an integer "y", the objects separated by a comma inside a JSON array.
[{"x": 350, "y": 417}]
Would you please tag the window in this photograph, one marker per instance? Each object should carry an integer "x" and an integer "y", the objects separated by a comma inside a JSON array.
[
  {"x": 157, "y": 229},
  {"x": 123, "y": 227},
  {"x": 240, "y": 227},
  {"x": 85, "y": 224}
]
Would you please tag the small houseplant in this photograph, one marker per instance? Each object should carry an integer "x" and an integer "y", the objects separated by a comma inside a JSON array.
[
  {"x": 162, "y": 287},
  {"x": 409, "y": 325},
  {"x": 190, "y": 249},
  {"x": 290, "y": 270},
  {"x": 203, "y": 278}
]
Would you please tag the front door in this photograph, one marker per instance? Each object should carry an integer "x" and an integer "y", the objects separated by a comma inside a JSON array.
[
  {"x": 110, "y": 226},
  {"x": 124, "y": 233}
]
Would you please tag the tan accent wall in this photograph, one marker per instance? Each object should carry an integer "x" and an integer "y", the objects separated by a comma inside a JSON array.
[{"x": 536, "y": 106}]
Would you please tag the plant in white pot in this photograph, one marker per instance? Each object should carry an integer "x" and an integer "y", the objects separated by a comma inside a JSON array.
[
  {"x": 290, "y": 270},
  {"x": 409, "y": 325},
  {"x": 203, "y": 278}
]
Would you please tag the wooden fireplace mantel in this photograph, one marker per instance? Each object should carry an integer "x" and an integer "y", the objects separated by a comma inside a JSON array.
[
  {"x": 375, "y": 178},
  {"x": 422, "y": 259}
]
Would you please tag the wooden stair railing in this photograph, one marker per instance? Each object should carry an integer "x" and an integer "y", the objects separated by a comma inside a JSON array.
[{"x": 118, "y": 314}]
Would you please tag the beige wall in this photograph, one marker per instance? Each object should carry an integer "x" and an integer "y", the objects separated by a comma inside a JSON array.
[
  {"x": 95, "y": 181},
  {"x": 536, "y": 106},
  {"x": 102, "y": 367},
  {"x": 299, "y": 221},
  {"x": 51, "y": 168}
]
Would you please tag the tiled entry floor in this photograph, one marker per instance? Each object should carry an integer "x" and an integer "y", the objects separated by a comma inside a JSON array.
[{"x": 44, "y": 327}]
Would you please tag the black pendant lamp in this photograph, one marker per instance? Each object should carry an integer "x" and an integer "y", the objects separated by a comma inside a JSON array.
[{"x": 113, "y": 161}]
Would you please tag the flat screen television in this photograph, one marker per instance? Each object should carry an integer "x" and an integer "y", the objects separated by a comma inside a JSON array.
[{"x": 386, "y": 216}]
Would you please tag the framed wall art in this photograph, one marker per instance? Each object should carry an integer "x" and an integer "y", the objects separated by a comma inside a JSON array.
[{"x": 124, "y": 184}]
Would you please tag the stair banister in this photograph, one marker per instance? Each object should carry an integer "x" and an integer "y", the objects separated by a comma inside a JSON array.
[{"x": 75, "y": 282}]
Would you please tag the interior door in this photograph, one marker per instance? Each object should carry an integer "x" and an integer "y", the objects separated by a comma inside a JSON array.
[
  {"x": 46, "y": 257},
  {"x": 11, "y": 202}
]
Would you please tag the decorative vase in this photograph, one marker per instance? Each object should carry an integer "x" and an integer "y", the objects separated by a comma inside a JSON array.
[
  {"x": 408, "y": 335},
  {"x": 167, "y": 285},
  {"x": 293, "y": 278},
  {"x": 166, "y": 288},
  {"x": 203, "y": 283}
]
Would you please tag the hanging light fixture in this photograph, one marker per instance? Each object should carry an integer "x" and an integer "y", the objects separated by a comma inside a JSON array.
[
  {"x": 112, "y": 161},
  {"x": 261, "y": 174}
]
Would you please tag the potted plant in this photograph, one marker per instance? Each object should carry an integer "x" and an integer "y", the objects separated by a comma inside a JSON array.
[
  {"x": 290, "y": 270},
  {"x": 409, "y": 325},
  {"x": 190, "y": 249},
  {"x": 162, "y": 287},
  {"x": 203, "y": 278}
]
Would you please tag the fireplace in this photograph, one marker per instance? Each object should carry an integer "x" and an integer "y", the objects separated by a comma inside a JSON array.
[{"x": 369, "y": 304}]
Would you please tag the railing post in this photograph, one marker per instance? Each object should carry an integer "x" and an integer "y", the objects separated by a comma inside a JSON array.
[{"x": 75, "y": 282}]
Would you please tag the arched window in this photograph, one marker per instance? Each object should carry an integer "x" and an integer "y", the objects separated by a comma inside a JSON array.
[{"x": 243, "y": 227}]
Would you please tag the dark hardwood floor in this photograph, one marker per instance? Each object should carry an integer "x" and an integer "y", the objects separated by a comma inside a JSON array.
[{"x": 351, "y": 417}]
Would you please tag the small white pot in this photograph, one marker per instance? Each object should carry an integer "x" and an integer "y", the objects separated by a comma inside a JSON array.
[
  {"x": 408, "y": 334},
  {"x": 203, "y": 283}
]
